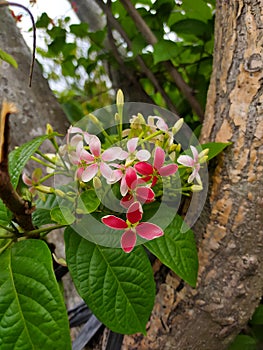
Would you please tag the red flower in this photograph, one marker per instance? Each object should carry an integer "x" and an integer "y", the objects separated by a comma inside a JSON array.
[
  {"x": 158, "y": 169},
  {"x": 132, "y": 226}
]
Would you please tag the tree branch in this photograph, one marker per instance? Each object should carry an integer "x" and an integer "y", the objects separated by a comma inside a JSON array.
[
  {"x": 115, "y": 24},
  {"x": 151, "y": 39},
  {"x": 9, "y": 196}
]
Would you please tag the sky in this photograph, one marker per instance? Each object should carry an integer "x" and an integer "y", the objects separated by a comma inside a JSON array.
[{"x": 54, "y": 8}]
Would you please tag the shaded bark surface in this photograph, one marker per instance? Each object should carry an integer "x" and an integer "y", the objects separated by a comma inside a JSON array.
[
  {"x": 36, "y": 106},
  {"x": 230, "y": 230}
]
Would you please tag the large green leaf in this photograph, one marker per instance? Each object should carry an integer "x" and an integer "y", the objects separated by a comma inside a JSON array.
[
  {"x": 118, "y": 287},
  {"x": 243, "y": 342},
  {"x": 32, "y": 310},
  {"x": 4, "y": 214},
  {"x": 19, "y": 157},
  {"x": 177, "y": 251}
]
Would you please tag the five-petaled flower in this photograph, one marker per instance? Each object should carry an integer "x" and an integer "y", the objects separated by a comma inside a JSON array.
[
  {"x": 157, "y": 169},
  {"x": 90, "y": 163},
  {"x": 134, "y": 190},
  {"x": 132, "y": 226},
  {"x": 194, "y": 163}
]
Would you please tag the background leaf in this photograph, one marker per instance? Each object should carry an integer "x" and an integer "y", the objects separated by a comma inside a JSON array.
[
  {"x": 32, "y": 310},
  {"x": 177, "y": 251},
  {"x": 8, "y": 58},
  {"x": 118, "y": 287},
  {"x": 215, "y": 148}
]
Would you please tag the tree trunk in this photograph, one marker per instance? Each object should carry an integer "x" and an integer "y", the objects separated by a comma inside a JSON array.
[
  {"x": 37, "y": 105},
  {"x": 230, "y": 230}
]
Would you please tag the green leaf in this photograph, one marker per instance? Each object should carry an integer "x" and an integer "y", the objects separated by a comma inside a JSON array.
[
  {"x": 19, "y": 157},
  {"x": 164, "y": 50},
  {"x": 43, "y": 21},
  {"x": 118, "y": 287},
  {"x": 243, "y": 342},
  {"x": 5, "y": 215},
  {"x": 62, "y": 215},
  {"x": 190, "y": 26},
  {"x": 88, "y": 202},
  {"x": 32, "y": 310},
  {"x": 215, "y": 148},
  {"x": 41, "y": 216},
  {"x": 177, "y": 251},
  {"x": 8, "y": 58},
  {"x": 257, "y": 316},
  {"x": 80, "y": 30},
  {"x": 197, "y": 9}
]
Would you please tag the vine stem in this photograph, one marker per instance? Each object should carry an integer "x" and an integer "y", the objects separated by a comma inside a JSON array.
[{"x": 8, "y": 3}]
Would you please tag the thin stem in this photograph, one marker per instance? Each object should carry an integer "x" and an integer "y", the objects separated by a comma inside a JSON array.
[
  {"x": 42, "y": 162},
  {"x": 43, "y": 231},
  {"x": 7, "y": 229},
  {"x": 7, "y": 3}
]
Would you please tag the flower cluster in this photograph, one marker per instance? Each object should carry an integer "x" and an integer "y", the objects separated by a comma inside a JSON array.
[{"x": 138, "y": 160}]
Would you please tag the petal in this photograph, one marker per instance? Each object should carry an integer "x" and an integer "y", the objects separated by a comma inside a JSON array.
[
  {"x": 144, "y": 168},
  {"x": 134, "y": 212},
  {"x": 143, "y": 155},
  {"x": 128, "y": 241},
  {"x": 123, "y": 187},
  {"x": 26, "y": 180},
  {"x": 79, "y": 173},
  {"x": 75, "y": 140},
  {"x": 113, "y": 153},
  {"x": 117, "y": 176},
  {"x": 186, "y": 160},
  {"x": 89, "y": 173},
  {"x": 144, "y": 194},
  {"x": 107, "y": 172},
  {"x": 95, "y": 145},
  {"x": 161, "y": 124},
  {"x": 74, "y": 130},
  {"x": 148, "y": 230},
  {"x": 126, "y": 201},
  {"x": 131, "y": 178},
  {"x": 86, "y": 156},
  {"x": 87, "y": 137},
  {"x": 114, "y": 222},
  {"x": 159, "y": 157},
  {"x": 195, "y": 153},
  {"x": 132, "y": 144},
  {"x": 168, "y": 169}
]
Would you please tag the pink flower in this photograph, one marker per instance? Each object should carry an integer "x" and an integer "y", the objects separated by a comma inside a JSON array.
[
  {"x": 135, "y": 192},
  {"x": 132, "y": 226},
  {"x": 158, "y": 168},
  {"x": 90, "y": 163},
  {"x": 132, "y": 154},
  {"x": 193, "y": 163}
]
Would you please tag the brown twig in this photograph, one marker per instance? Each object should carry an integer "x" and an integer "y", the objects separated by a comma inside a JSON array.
[
  {"x": 9, "y": 196},
  {"x": 7, "y": 3},
  {"x": 151, "y": 39}
]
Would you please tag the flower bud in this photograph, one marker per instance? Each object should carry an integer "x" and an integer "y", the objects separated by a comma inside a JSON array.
[
  {"x": 120, "y": 98},
  {"x": 177, "y": 126},
  {"x": 196, "y": 188},
  {"x": 59, "y": 193},
  {"x": 97, "y": 183},
  {"x": 49, "y": 129},
  {"x": 45, "y": 189}
]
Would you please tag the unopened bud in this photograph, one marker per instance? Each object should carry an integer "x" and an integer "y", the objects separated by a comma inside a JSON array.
[
  {"x": 45, "y": 189},
  {"x": 177, "y": 126},
  {"x": 94, "y": 119},
  {"x": 117, "y": 118},
  {"x": 49, "y": 129},
  {"x": 203, "y": 156},
  {"x": 120, "y": 98},
  {"x": 97, "y": 183},
  {"x": 59, "y": 193},
  {"x": 196, "y": 188},
  {"x": 178, "y": 148}
]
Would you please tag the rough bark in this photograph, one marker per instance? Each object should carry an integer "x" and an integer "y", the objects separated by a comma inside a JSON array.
[
  {"x": 230, "y": 230},
  {"x": 36, "y": 105}
]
